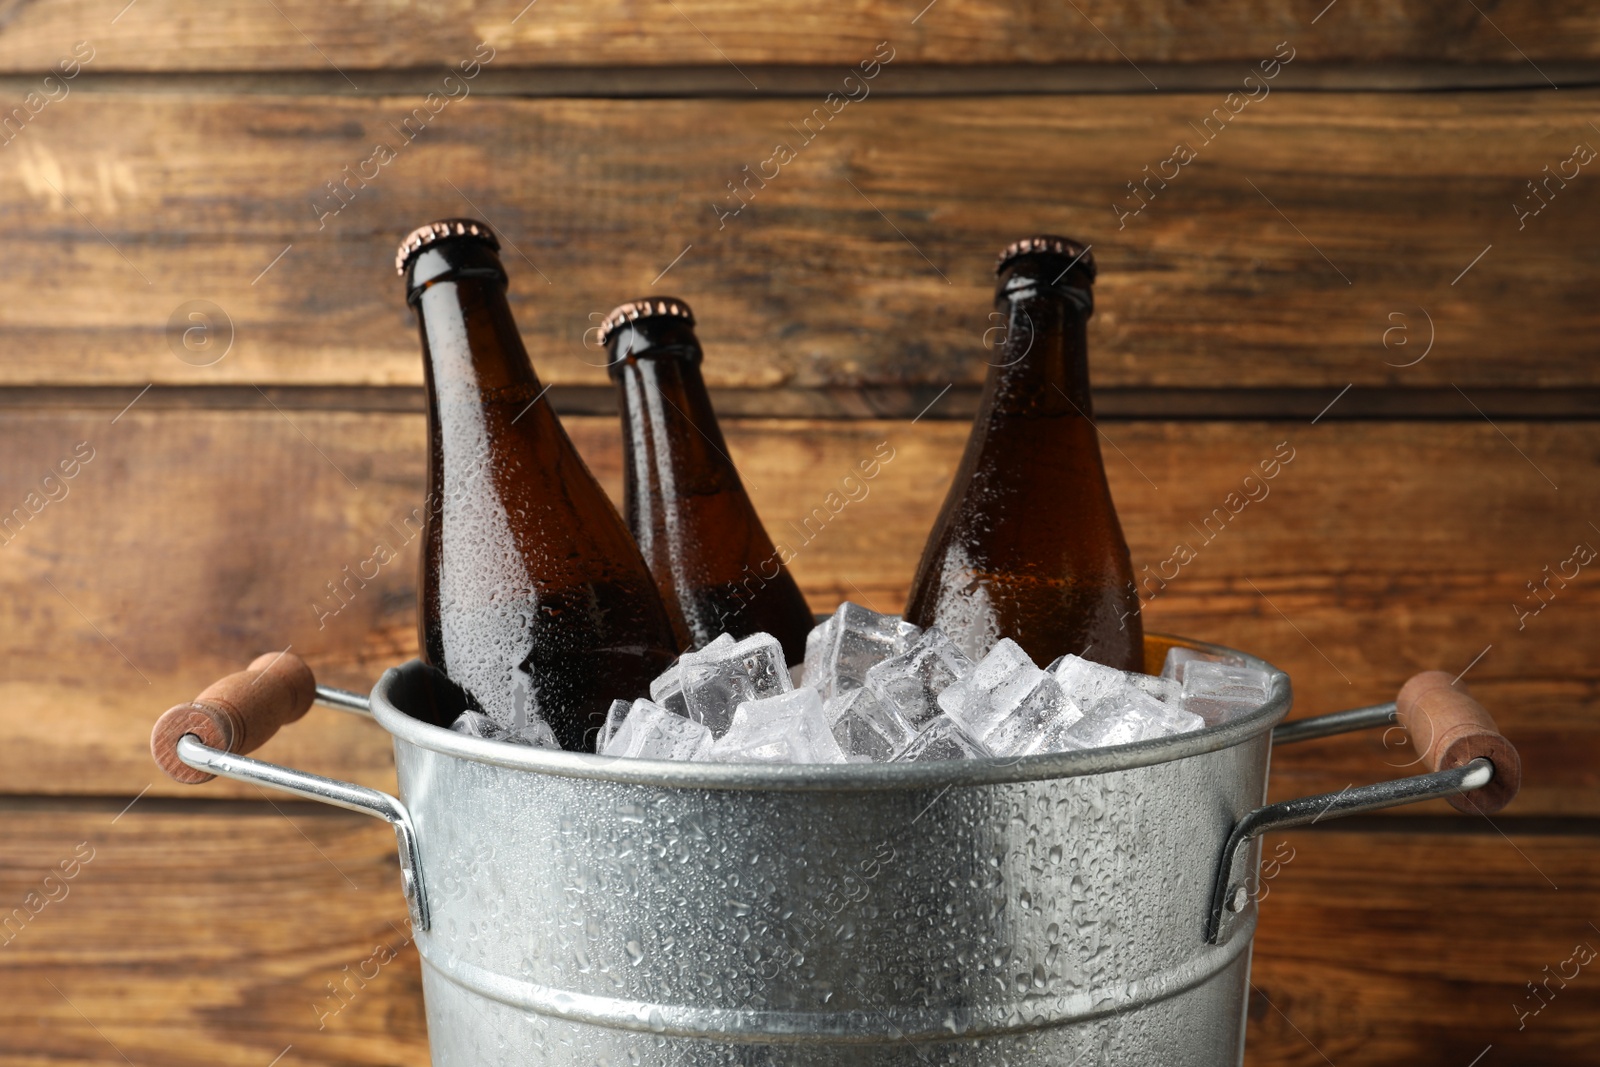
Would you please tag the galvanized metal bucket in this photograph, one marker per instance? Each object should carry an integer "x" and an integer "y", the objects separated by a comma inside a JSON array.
[{"x": 1074, "y": 908}]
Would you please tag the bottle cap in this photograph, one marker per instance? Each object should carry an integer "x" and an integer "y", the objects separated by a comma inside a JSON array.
[
  {"x": 423, "y": 236},
  {"x": 1064, "y": 246},
  {"x": 645, "y": 308}
]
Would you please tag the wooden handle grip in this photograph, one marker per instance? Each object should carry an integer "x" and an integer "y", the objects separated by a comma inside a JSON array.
[
  {"x": 237, "y": 714},
  {"x": 1448, "y": 728}
]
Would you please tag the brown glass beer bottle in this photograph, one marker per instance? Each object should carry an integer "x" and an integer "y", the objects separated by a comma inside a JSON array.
[
  {"x": 534, "y": 598},
  {"x": 713, "y": 562},
  {"x": 1028, "y": 545}
]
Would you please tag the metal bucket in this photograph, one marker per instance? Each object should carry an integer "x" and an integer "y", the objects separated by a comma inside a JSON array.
[{"x": 1071, "y": 908}]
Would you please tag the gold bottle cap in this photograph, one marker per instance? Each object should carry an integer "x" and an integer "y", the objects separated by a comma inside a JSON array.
[
  {"x": 423, "y": 236},
  {"x": 648, "y": 307},
  {"x": 1045, "y": 242}
]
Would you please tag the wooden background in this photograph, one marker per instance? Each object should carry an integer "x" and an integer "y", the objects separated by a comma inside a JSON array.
[{"x": 1342, "y": 268}]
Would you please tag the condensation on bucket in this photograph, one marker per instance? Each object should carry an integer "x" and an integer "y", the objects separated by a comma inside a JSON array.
[{"x": 1202, "y": 1026}]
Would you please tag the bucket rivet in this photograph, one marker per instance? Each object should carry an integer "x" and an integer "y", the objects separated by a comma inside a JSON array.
[{"x": 1239, "y": 899}]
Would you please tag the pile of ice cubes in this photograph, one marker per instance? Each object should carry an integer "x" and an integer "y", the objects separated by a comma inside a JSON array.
[{"x": 876, "y": 689}]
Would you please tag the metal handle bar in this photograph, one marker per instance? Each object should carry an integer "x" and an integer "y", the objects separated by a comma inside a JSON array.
[
  {"x": 1230, "y": 894},
  {"x": 374, "y": 802},
  {"x": 1338, "y": 722},
  {"x": 344, "y": 700}
]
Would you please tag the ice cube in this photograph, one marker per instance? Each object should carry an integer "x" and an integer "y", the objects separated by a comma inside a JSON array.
[
  {"x": 477, "y": 724},
  {"x": 1119, "y": 708},
  {"x": 652, "y": 732},
  {"x": 850, "y": 643},
  {"x": 667, "y": 689},
  {"x": 617, "y": 713},
  {"x": 1165, "y": 690},
  {"x": 1045, "y": 713},
  {"x": 786, "y": 728},
  {"x": 817, "y": 643},
  {"x": 1178, "y": 658},
  {"x": 1172, "y": 718},
  {"x": 718, "y": 678},
  {"x": 979, "y": 698},
  {"x": 1005, "y": 687},
  {"x": 865, "y": 726},
  {"x": 533, "y": 732},
  {"x": 1126, "y": 717},
  {"x": 1100, "y": 731},
  {"x": 1088, "y": 683},
  {"x": 912, "y": 681},
  {"x": 1057, "y": 735},
  {"x": 941, "y": 739},
  {"x": 1219, "y": 691},
  {"x": 813, "y": 727}
]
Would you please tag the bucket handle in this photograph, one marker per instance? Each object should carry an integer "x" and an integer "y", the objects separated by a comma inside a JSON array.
[
  {"x": 207, "y": 737},
  {"x": 1470, "y": 763}
]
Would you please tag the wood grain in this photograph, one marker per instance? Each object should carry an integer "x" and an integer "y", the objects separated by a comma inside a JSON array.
[
  {"x": 209, "y": 934},
  {"x": 1309, "y": 233},
  {"x": 720, "y": 80},
  {"x": 201, "y": 938},
  {"x": 179, "y": 186},
  {"x": 300, "y": 34},
  {"x": 1418, "y": 949},
  {"x": 193, "y": 541}
]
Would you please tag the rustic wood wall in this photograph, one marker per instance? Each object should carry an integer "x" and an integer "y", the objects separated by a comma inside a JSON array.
[{"x": 1385, "y": 255}]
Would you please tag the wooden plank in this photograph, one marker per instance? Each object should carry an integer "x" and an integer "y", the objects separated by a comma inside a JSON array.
[
  {"x": 123, "y": 210},
  {"x": 1406, "y": 948},
  {"x": 195, "y": 540},
  {"x": 300, "y": 34},
  {"x": 718, "y": 79},
  {"x": 209, "y": 935},
  {"x": 195, "y": 938}
]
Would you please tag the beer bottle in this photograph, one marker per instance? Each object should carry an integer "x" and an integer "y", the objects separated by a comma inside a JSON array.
[
  {"x": 1028, "y": 545},
  {"x": 534, "y": 598},
  {"x": 713, "y": 562}
]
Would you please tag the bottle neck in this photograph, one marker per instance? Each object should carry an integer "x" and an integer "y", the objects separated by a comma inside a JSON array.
[
  {"x": 1041, "y": 367},
  {"x": 472, "y": 352},
  {"x": 670, "y": 428}
]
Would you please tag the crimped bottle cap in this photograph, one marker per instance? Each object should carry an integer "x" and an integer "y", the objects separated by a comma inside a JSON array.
[
  {"x": 423, "y": 236},
  {"x": 1045, "y": 242},
  {"x": 644, "y": 308}
]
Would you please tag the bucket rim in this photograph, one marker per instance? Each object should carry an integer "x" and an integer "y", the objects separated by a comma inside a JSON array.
[{"x": 837, "y": 777}]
